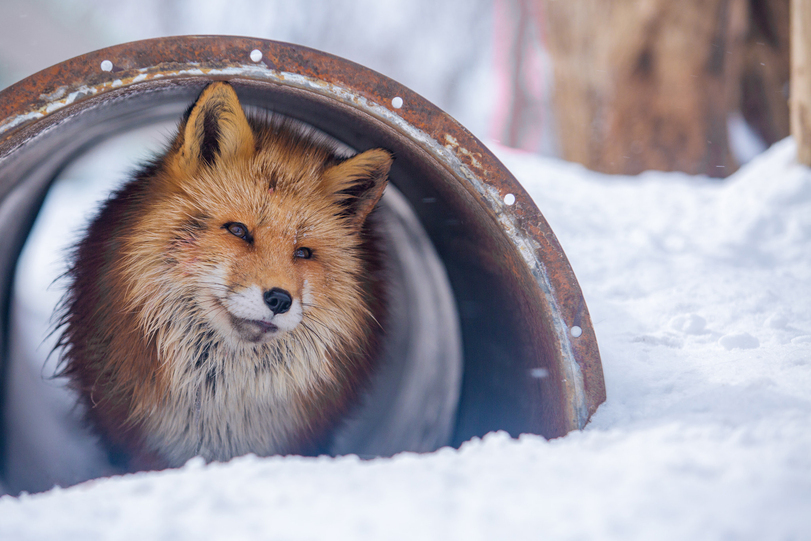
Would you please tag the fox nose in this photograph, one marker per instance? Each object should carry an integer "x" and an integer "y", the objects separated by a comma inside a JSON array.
[{"x": 278, "y": 300}]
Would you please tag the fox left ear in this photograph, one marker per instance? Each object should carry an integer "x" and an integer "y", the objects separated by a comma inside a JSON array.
[
  {"x": 358, "y": 183},
  {"x": 216, "y": 128}
]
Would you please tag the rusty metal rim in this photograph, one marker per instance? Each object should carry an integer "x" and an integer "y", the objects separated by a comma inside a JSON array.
[{"x": 51, "y": 93}]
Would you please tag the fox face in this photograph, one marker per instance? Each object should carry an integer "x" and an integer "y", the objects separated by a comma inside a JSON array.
[
  {"x": 257, "y": 271},
  {"x": 265, "y": 224},
  {"x": 222, "y": 301},
  {"x": 262, "y": 278}
]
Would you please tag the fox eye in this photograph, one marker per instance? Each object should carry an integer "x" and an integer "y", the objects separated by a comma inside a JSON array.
[
  {"x": 304, "y": 253},
  {"x": 238, "y": 230}
]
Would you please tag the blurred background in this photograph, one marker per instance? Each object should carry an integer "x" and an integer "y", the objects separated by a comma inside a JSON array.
[
  {"x": 442, "y": 50},
  {"x": 699, "y": 86}
]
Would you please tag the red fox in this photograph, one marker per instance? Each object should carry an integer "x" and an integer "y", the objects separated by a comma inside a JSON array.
[{"x": 228, "y": 299}]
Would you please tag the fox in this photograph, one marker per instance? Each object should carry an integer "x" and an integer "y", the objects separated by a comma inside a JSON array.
[{"x": 229, "y": 298}]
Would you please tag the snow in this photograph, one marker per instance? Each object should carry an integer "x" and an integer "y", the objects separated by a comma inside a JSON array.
[{"x": 700, "y": 293}]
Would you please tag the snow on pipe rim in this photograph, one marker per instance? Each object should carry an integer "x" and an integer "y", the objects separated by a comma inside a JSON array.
[{"x": 353, "y": 100}]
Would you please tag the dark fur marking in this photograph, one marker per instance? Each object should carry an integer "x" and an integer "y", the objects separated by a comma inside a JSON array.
[
  {"x": 210, "y": 145},
  {"x": 194, "y": 225},
  {"x": 202, "y": 356},
  {"x": 211, "y": 380},
  {"x": 644, "y": 64},
  {"x": 264, "y": 366}
]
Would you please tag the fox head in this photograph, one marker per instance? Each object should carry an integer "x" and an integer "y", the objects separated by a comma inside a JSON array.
[{"x": 254, "y": 232}]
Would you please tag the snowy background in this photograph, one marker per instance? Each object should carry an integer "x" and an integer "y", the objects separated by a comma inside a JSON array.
[
  {"x": 441, "y": 50},
  {"x": 700, "y": 294}
]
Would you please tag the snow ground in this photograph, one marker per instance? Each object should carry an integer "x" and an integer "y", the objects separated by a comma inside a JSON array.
[{"x": 700, "y": 293}]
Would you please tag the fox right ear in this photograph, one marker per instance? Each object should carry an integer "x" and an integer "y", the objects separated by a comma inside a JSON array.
[
  {"x": 215, "y": 129},
  {"x": 358, "y": 183}
]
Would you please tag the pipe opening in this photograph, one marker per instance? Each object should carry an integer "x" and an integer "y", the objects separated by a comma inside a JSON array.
[{"x": 507, "y": 283}]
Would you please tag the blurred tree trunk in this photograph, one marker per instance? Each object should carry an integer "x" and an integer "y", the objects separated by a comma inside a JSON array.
[
  {"x": 647, "y": 84},
  {"x": 522, "y": 77},
  {"x": 801, "y": 78},
  {"x": 765, "y": 78}
]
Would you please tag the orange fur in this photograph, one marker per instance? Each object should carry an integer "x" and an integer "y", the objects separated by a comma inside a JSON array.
[{"x": 168, "y": 328}]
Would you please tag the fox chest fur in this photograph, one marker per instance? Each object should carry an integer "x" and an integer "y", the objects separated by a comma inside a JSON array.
[{"x": 226, "y": 300}]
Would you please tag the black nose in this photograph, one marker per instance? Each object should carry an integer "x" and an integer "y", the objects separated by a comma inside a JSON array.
[{"x": 278, "y": 300}]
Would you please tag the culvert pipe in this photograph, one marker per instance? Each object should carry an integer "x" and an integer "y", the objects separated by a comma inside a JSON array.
[{"x": 530, "y": 362}]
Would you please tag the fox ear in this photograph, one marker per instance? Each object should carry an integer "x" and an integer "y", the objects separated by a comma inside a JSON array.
[
  {"x": 358, "y": 183},
  {"x": 215, "y": 128}
]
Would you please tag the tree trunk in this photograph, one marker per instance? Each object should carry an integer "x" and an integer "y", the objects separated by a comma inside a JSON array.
[
  {"x": 647, "y": 84},
  {"x": 800, "y": 102},
  {"x": 765, "y": 78},
  {"x": 523, "y": 71}
]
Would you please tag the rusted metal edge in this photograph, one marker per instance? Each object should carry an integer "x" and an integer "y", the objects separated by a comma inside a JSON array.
[{"x": 75, "y": 80}]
